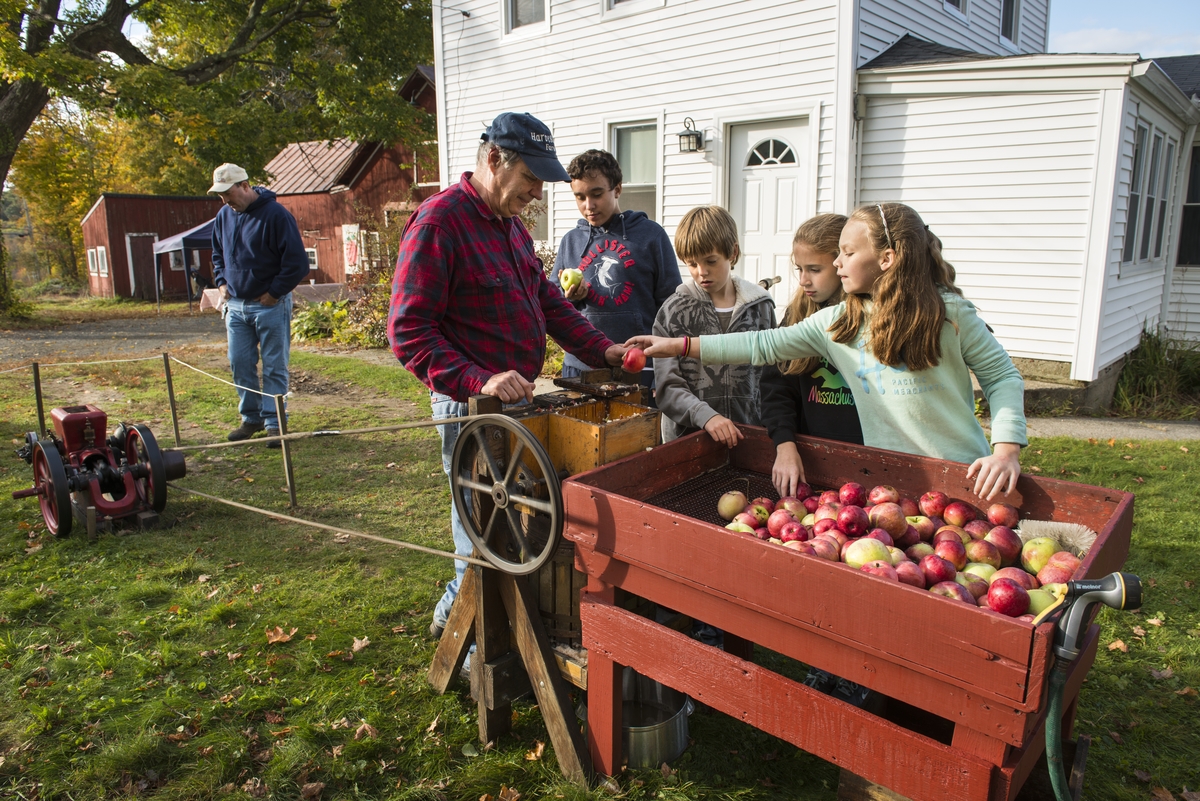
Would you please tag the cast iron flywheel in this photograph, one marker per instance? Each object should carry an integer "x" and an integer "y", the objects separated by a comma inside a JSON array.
[{"x": 507, "y": 493}]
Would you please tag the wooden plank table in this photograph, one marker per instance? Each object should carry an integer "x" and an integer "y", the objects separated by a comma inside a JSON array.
[{"x": 982, "y": 674}]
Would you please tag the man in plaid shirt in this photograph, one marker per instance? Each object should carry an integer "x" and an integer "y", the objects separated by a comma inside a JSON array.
[{"x": 471, "y": 304}]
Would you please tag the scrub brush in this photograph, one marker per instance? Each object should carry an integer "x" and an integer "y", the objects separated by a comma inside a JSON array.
[{"x": 1074, "y": 537}]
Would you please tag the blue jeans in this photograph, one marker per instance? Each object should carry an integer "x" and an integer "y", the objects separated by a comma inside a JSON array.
[
  {"x": 253, "y": 330},
  {"x": 444, "y": 407}
]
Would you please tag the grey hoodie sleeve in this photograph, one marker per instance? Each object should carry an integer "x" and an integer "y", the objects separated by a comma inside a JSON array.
[{"x": 671, "y": 391}]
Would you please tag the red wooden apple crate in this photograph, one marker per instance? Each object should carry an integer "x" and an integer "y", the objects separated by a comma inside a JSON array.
[{"x": 966, "y": 687}]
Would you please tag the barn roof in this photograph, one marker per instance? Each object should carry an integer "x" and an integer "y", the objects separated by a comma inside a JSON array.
[
  {"x": 909, "y": 50},
  {"x": 309, "y": 167},
  {"x": 1184, "y": 71}
]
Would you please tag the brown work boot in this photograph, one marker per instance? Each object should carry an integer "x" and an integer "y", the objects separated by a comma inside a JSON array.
[{"x": 244, "y": 431}]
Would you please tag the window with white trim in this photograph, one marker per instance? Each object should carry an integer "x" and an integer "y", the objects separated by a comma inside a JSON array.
[
  {"x": 520, "y": 13},
  {"x": 91, "y": 257},
  {"x": 1010, "y": 10},
  {"x": 636, "y": 148},
  {"x": 101, "y": 260},
  {"x": 1189, "y": 225},
  {"x": 1149, "y": 189},
  {"x": 956, "y": 6},
  {"x": 312, "y": 258}
]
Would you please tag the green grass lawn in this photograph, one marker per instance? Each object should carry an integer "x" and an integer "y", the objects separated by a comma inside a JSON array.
[
  {"x": 49, "y": 311},
  {"x": 142, "y": 665}
]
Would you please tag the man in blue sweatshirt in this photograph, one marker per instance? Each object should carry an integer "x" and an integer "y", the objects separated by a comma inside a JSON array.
[
  {"x": 628, "y": 264},
  {"x": 258, "y": 259}
]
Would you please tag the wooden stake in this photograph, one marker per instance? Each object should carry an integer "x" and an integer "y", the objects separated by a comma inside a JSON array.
[
  {"x": 287, "y": 452},
  {"x": 171, "y": 397}
]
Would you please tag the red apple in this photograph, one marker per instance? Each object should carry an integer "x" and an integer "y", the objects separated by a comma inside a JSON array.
[
  {"x": 983, "y": 552},
  {"x": 883, "y": 494},
  {"x": 1015, "y": 574},
  {"x": 793, "y": 531},
  {"x": 1066, "y": 560},
  {"x": 829, "y": 496},
  {"x": 978, "y": 529},
  {"x": 759, "y": 511},
  {"x": 1008, "y": 597},
  {"x": 959, "y": 513},
  {"x": 829, "y": 510},
  {"x": 881, "y": 568},
  {"x": 933, "y": 503},
  {"x": 835, "y": 535},
  {"x": 896, "y": 555},
  {"x": 889, "y": 517},
  {"x": 937, "y": 522},
  {"x": 910, "y": 507},
  {"x": 915, "y": 552},
  {"x": 852, "y": 520},
  {"x": 852, "y": 494},
  {"x": 634, "y": 361},
  {"x": 777, "y": 520},
  {"x": 974, "y": 584},
  {"x": 825, "y": 548},
  {"x": 749, "y": 518},
  {"x": 731, "y": 504},
  {"x": 936, "y": 569},
  {"x": 809, "y": 520},
  {"x": 978, "y": 568},
  {"x": 858, "y": 552},
  {"x": 882, "y": 536},
  {"x": 793, "y": 505},
  {"x": 802, "y": 547},
  {"x": 951, "y": 533},
  {"x": 803, "y": 491},
  {"x": 811, "y": 503},
  {"x": 953, "y": 552},
  {"x": 923, "y": 525},
  {"x": 1037, "y": 552},
  {"x": 910, "y": 573},
  {"x": 1053, "y": 574},
  {"x": 823, "y": 525},
  {"x": 1001, "y": 514},
  {"x": 762, "y": 533},
  {"x": 954, "y": 591},
  {"x": 1007, "y": 543},
  {"x": 740, "y": 528},
  {"x": 765, "y": 502},
  {"x": 909, "y": 537}
]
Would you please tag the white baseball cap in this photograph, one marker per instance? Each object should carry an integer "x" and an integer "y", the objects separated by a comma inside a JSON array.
[{"x": 225, "y": 176}]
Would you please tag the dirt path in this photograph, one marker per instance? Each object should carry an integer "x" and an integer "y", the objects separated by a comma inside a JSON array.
[{"x": 118, "y": 339}]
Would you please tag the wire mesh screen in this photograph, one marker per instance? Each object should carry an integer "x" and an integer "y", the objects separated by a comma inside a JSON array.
[{"x": 697, "y": 497}]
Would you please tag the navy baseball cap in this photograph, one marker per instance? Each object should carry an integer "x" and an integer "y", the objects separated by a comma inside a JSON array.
[{"x": 528, "y": 136}]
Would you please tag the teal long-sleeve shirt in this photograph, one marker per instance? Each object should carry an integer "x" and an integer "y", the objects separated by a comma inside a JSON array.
[{"x": 926, "y": 412}]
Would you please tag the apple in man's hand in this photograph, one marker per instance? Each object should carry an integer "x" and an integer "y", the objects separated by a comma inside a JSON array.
[
  {"x": 569, "y": 278},
  {"x": 634, "y": 361}
]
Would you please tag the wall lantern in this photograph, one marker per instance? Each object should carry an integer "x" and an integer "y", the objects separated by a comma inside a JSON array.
[{"x": 690, "y": 140}]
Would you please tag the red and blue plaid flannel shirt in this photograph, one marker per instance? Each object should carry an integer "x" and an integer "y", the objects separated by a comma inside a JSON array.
[{"x": 470, "y": 299}]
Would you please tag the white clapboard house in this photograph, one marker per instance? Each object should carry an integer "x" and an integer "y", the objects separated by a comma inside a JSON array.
[{"x": 1055, "y": 181}]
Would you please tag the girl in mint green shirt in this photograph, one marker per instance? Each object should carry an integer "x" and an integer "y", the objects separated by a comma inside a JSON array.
[{"x": 906, "y": 341}]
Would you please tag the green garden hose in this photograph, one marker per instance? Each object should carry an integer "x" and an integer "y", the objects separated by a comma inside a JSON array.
[{"x": 1054, "y": 751}]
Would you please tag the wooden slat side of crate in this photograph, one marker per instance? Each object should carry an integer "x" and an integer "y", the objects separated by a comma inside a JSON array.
[
  {"x": 592, "y": 434},
  {"x": 966, "y": 647}
]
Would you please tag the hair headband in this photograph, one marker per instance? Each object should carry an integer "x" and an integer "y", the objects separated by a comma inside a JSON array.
[{"x": 886, "y": 232}]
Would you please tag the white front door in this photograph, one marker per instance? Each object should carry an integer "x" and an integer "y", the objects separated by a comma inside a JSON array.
[{"x": 768, "y": 173}]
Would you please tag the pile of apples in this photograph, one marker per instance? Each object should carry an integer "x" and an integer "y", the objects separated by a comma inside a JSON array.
[{"x": 938, "y": 544}]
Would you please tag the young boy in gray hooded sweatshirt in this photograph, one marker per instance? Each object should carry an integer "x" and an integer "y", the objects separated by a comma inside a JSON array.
[
  {"x": 692, "y": 395},
  {"x": 629, "y": 267}
]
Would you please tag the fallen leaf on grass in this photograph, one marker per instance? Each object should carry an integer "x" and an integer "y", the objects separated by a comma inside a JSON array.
[
  {"x": 273, "y": 717},
  {"x": 311, "y": 637},
  {"x": 1139, "y": 631},
  {"x": 255, "y": 788},
  {"x": 213, "y": 594},
  {"x": 1142, "y": 775},
  {"x": 508, "y": 794},
  {"x": 360, "y": 644},
  {"x": 232, "y": 565},
  {"x": 1154, "y": 621},
  {"x": 312, "y": 790},
  {"x": 173, "y": 609},
  {"x": 1116, "y": 738},
  {"x": 1139, "y": 480},
  {"x": 1183, "y": 448},
  {"x": 257, "y": 588},
  {"x": 539, "y": 748},
  {"x": 34, "y": 548},
  {"x": 1118, "y": 645},
  {"x": 1165, "y": 673},
  {"x": 1161, "y": 794},
  {"x": 338, "y": 749},
  {"x": 365, "y": 730},
  {"x": 1187, "y": 691},
  {"x": 341, "y": 538},
  {"x": 234, "y": 657},
  {"x": 284, "y": 732},
  {"x": 277, "y": 635},
  {"x": 399, "y": 629},
  {"x": 1189, "y": 795},
  {"x": 203, "y": 579},
  {"x": 433, "y": 725}
]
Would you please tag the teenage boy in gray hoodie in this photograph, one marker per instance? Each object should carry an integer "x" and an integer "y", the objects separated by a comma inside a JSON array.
[{"x": 629, "y": 267}]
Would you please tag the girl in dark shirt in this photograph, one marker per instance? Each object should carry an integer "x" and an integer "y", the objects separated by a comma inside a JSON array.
[{"x": 808, "y": 396}]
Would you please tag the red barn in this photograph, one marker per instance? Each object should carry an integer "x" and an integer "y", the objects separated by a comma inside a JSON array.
[
  {"x": 119, "y": 233},
  {"x": 339, "y": 190}
]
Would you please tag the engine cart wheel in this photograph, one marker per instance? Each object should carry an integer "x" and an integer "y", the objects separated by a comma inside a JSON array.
[
  {"x": 142, "y": 449},
  {"x": 488, "y": 487},
  {"x": 50, "y": 478}
]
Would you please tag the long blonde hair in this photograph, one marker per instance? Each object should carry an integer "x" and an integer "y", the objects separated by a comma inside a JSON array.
[
  {"x": 820, "y": 233},
  {"x": 908, "y": 311}
]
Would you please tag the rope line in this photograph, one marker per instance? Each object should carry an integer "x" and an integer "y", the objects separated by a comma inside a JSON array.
[
  {"x": 222, "y": 380},
  {"x": 15, "y": 369},
  {"x": 301, "y": 521},
  {"x": 295, "y": 435}
]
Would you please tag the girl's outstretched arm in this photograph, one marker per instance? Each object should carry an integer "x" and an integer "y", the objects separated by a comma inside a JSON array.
[
  {"x": 996, "y": 474},
  {"x": 665, "y": 346}
]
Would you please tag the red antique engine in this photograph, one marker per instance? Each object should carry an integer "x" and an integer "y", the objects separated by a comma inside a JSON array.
[{"x": 123, "y": 475}]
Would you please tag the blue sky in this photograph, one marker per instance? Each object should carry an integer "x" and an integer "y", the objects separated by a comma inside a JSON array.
[{"x": 1150, "y": 27}]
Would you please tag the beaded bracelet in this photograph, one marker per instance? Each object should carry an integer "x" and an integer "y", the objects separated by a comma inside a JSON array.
[{"x": 687, "y": 346}]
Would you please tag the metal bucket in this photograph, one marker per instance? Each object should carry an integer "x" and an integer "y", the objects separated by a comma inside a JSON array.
[{"x": 654, "y": 721}]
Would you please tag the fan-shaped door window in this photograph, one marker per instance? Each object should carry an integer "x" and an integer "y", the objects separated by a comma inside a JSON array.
[{"x": 771, "y": 152}]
